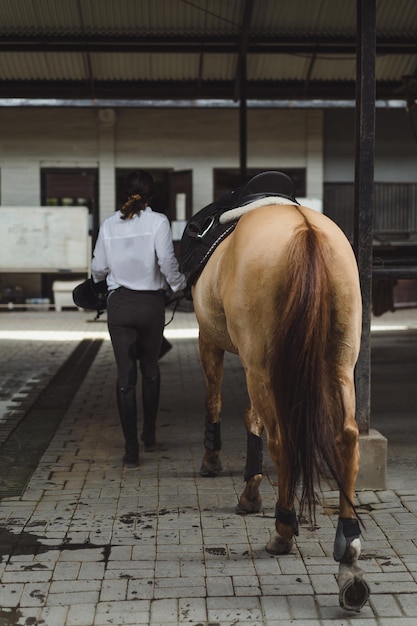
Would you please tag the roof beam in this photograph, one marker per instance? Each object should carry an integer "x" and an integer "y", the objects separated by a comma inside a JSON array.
[
  {"x": 190, "y": 90},
  {"x": 206, "y": 45}
]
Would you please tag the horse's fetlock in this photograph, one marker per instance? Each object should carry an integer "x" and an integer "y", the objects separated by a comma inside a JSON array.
[
  {"x": 211, "y": 464},
  {"x": 212, "y": 436},
  {"x": 347, "y": 543},
  {"x": 286, "y": 521}
]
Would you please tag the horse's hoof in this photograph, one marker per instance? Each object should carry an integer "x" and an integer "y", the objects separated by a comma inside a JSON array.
[
  {"x": 354, "y": 593},
  {"x": 279, "y": 545},
  {"x": 210, "y": 471},
  {"x": 247, "y": 509}
]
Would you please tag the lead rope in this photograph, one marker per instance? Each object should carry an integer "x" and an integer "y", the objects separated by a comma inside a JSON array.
[{"x": 176, "y": 300}]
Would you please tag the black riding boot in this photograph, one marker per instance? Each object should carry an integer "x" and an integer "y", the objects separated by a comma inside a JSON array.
[
  {"x": 126, "y": 402},
  {"x": 150, "y": 403}
]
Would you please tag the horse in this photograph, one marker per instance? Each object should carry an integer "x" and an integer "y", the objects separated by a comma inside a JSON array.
[{"x": 282, "y": 291}]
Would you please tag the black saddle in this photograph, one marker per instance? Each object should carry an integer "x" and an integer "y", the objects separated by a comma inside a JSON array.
[{"x": 204, "y": 232}]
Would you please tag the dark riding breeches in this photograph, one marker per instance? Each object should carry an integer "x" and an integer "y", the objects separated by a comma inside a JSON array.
[{"x": 136, "y": 323}]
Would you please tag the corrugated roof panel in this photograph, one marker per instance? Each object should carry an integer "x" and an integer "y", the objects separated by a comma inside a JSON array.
[
  {"x": 190, "y": 17},
  {"x": 274, "y": 67},
  {"x": 163, "y": 16},
  {"x": 67, "y": 67},
  {"x": 38, "y": 15},
  {"x": 399, "y": 17},
  {"x": 141, "y": 16},
  {"x": 130, "y": 66},
  {"x": 336, "y": 67},
  {"x": 332, "y": 17},
  {"x": 219, "y": 66},
  {"x": 42, "y": 66},
  {"x": 391, "y": 67}
]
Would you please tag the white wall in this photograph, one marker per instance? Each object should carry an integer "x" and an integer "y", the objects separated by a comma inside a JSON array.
[
  {"x": 197, "y": 139},
  {"x": 35, "y": 138}
]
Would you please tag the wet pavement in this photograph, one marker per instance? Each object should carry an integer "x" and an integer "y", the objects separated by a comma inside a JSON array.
[{"x": 85, "y": 542}]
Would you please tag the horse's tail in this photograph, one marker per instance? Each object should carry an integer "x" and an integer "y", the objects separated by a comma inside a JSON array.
[{"x": 308, "y": 396}]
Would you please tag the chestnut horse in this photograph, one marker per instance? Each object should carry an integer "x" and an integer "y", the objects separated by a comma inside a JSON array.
[{"x": 282, "y": 291}]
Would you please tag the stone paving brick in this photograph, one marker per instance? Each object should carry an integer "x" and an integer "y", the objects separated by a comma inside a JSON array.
[
  {"x": 70, "y": 598},
  {"x": 80, "y": 615},
  {"x": 302, "y": 607},
  {"x": 143, "y": 588},
  {"x": 408, "y": 604},
  {"x": 24, "y": 576},
  {"x": 120, "y": 613},
  {"x": 223, "y": 610},
  {"x": 219, "y": 586},
  {"x": 386, "y": 605},
  {"x": 49, "y": 616},
  {"x": 34, "y": 594},
  {"x": 113, "y": 590},
  {"x": 66, "y": 571},
  {"x": 397, "y": 621},
  {"x": 11, "y": 594},
  {"x": 192, "y": 610}
]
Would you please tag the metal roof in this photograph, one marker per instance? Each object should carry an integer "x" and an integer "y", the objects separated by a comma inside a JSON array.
[{"x": 190, "y": 49}]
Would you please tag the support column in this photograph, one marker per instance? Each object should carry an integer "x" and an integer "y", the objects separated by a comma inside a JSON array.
[
  {"x": 373, "y": 446},
  {"x": 243, "y": 138},
  {"x": 106, "y": 160},
  {"x": 364, "y": 181}
]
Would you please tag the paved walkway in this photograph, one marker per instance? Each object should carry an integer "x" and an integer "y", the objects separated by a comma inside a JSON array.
[{"x": 89, "y": 543}]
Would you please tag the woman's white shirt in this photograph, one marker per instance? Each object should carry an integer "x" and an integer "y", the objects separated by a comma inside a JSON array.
[{"x": 137, "y": 253}]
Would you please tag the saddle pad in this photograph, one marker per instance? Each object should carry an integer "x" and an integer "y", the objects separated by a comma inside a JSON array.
[{"x": 234, "y": 214}]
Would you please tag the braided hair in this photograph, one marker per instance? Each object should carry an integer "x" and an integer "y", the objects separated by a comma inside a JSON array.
[{"x": 139, "y": 187}]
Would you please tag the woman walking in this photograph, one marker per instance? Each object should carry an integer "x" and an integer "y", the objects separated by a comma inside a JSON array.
[{"x": 135, "y": 254}]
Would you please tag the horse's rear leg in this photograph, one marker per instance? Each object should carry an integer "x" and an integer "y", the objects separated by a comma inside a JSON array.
[
  {"x": 286, "y": 523},
  {"x": 353, "y": 589},
  {"x": 212, "y": 363}
]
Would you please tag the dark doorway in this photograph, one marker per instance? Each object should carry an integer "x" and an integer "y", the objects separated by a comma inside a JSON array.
[
  {"x": 72, "y": 187},
  {"x": 227, "y": 179},
  {"x": 181, "y": 195},
  {"x": 173, "y": 195}
]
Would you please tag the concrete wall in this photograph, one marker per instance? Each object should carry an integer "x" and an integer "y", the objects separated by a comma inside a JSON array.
[{"x": 395, "y": 146}]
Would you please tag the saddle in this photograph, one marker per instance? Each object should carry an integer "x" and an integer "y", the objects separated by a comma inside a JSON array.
[{"x": 205, "y": 231}]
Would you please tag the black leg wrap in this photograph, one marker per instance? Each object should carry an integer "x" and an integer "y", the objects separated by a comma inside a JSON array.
[
  {"x": 347, "y": 531},
  {"x": 254, "y": 456},
  {"x": 289, "y": 518},
  {"x": 212, "y": 438}
]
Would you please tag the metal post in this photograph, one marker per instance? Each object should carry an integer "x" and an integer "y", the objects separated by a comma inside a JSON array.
[
  {"x": 243, "y": 121},
  {"x": 364, "y": 181},
  {"x": 241, "y": 83}
]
